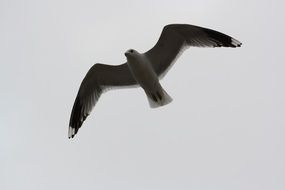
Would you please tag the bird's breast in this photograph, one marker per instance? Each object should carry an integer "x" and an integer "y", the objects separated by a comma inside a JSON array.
[{"x": 143, "y": 72}]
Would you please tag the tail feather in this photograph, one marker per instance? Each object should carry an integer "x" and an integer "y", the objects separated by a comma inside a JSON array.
[{"x": 158, "y": 98}]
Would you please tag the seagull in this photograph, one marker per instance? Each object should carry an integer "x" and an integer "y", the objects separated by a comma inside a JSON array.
[{"x": 143, "y": 69}]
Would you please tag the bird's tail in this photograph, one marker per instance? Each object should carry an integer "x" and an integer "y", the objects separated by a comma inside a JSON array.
[{"x": 158, "y": 97}]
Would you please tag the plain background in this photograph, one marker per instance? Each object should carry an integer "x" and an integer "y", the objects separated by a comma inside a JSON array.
[{"x": 224, "y": 129}]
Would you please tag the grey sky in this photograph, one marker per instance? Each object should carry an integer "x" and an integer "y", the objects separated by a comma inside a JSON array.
[{"x": 224, "y": 129}]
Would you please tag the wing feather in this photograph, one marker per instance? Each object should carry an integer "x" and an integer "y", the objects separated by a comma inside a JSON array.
[
  {"x": 176, "y": 37},
  {"x": 98, "y": 78}
]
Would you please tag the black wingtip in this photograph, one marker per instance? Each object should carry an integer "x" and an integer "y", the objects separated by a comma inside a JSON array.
[
  {"x": 235, "y": 43},
  {"x": 75, "y": 118},
  {"x": 222, "y": 40},
  {"x": 71, "y": 132}
]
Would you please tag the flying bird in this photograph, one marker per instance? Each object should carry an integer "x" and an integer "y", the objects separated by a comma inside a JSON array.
[{"x": 143, "y": 69}]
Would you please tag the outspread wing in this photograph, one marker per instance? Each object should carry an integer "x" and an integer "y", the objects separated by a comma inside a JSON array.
[
  {"x": 97, "y": 79},
  {"x": 177, "y": 37}
]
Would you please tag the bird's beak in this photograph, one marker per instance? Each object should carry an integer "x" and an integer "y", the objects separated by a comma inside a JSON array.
[{"x": 126, "y": 54}]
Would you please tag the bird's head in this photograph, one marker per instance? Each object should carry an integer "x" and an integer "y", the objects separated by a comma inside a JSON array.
[
  {"x": 134, "y": 57},
  {"x": 131, "y": 53}
]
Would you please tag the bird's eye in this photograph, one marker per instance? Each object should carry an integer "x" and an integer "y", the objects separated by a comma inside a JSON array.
[{"x": 132, "y": 51}]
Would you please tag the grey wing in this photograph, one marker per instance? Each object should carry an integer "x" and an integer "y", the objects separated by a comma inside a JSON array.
[
  {"x": 177, "y": 37},
  {"x": 97, "y": 79}
]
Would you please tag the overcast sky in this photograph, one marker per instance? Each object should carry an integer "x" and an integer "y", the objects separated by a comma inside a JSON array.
[{"x": 224, "y": 129}]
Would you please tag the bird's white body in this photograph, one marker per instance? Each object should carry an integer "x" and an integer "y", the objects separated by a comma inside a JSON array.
[
  {"x": 143, "y": 72},
  {"x": 141, "y": 69}
]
